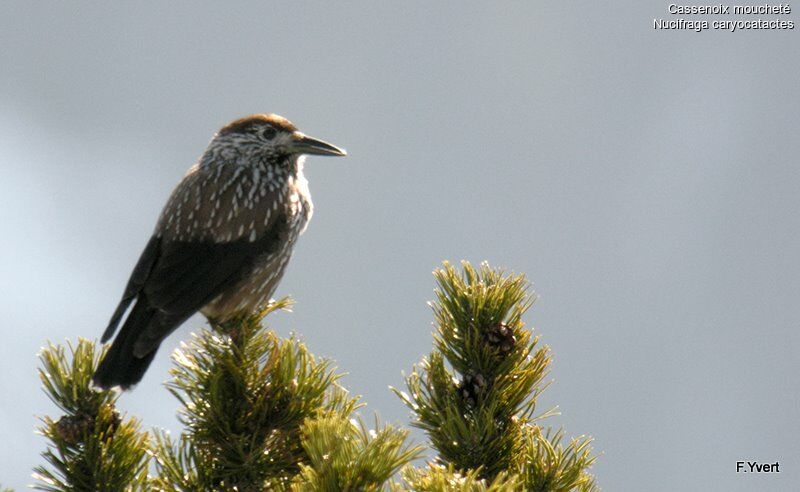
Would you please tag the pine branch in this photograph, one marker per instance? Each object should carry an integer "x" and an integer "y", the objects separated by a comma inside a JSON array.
[
  {"x": 475, "y": 394},
  {"x": 344, "y": 455},
  {"x": 91, "y": 447},
  {"x": 549, "y": 466},
  {"x": 262, "y": 413},
  {"x": 438, "y": 478}
]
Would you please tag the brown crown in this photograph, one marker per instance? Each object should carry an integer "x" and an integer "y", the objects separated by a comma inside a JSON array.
[{"x": 243, "y": 124}]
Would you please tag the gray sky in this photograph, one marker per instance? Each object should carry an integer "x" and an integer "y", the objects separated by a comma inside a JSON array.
[{"x": 646, "y": 182}]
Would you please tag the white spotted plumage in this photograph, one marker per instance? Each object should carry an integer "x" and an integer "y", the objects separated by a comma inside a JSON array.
[{"x": 255, "y": 187}]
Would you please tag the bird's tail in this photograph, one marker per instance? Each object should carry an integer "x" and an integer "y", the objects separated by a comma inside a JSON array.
[{"x": 120, "y": 367}]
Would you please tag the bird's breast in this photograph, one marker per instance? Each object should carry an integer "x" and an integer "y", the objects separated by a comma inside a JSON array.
[{"x": 300, "y": 206}]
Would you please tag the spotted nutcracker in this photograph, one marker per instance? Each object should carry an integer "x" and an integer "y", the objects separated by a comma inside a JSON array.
[{"x": 222, "y": 242}]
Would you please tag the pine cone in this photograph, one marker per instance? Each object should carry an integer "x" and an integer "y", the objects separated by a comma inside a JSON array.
[
  {"x": 73, "y": 428},
  {"x": 501, "y": 338},
  {"x": 471, "y": 387}
]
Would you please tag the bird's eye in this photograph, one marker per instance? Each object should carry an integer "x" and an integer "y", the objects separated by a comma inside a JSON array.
[{"x": 269, "y": 133}]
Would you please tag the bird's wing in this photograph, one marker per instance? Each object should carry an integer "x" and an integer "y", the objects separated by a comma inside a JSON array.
[
  {"x": 188, "y": 275},
  {"x": 211, "y": 230}
]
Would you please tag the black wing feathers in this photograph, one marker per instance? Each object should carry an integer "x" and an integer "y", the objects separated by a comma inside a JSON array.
[
  {"x": 188, "y": 273},
  {"x": 177, "y": 294},
  {"x": 172, "y": 281},
  {"x": 138, "y": 277}
]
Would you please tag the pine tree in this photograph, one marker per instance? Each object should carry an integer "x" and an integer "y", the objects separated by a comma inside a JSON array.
[{"x": 262, "y": 413}]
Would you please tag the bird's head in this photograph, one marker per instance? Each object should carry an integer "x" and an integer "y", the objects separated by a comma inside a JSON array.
[{"x": 273, "y": 135}]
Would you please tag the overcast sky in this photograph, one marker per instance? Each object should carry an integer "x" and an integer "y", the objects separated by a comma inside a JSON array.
[{"x": 646, "y": 182}]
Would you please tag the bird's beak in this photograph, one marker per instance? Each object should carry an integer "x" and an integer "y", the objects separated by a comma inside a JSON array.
[{"x": 303, "y": 144}]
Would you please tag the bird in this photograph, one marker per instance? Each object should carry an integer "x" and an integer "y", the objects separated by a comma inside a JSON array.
[{"x": 221, "y": 243}]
